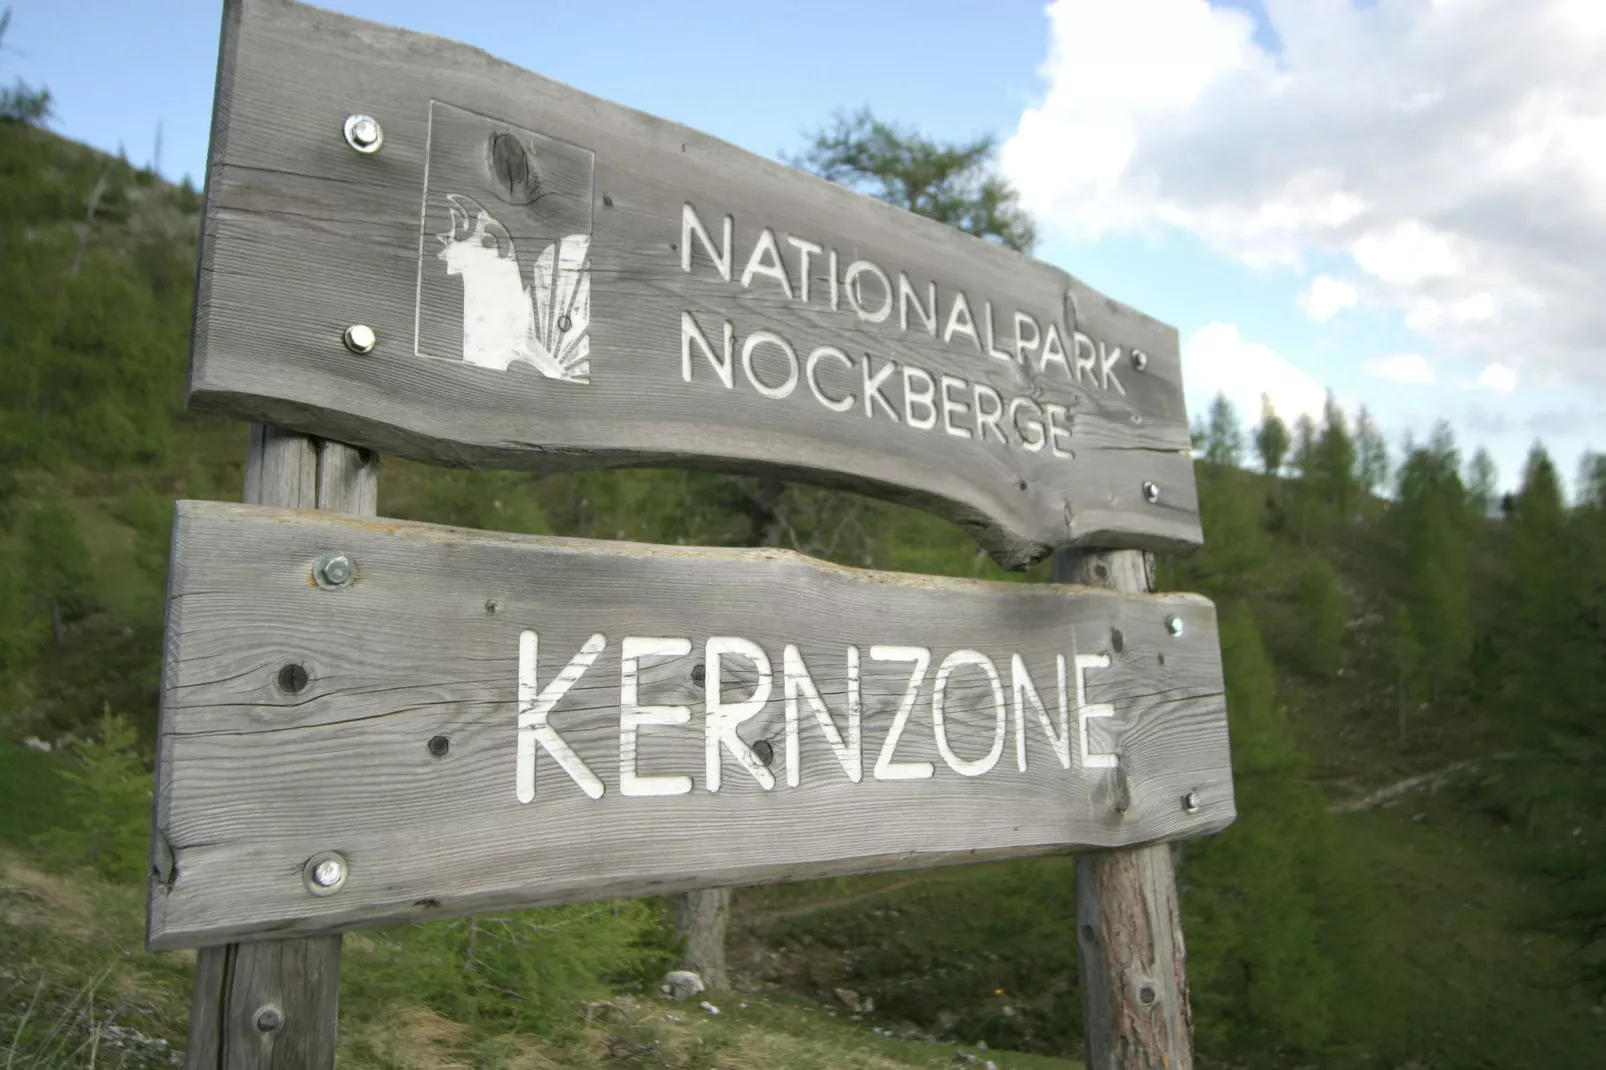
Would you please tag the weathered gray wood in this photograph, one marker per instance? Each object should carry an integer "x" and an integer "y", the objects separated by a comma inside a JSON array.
[
  {"x": 304, "y": 236},
  {"x": 1136, "y": 1012},
  {"x": 705, "y": 917},
  {"x": 400, "y": 750},
  {"x": 269, "y": 1005}
]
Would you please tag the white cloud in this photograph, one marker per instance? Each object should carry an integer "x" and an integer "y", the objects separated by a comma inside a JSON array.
[
  {"x": 1216, "y": 359},
  {"x": 1456, "y": 152},
  {"x": 1326, "y": 297},
  {"x": 1412, "y": 368},
  {"x": 1498, "y": 377}
]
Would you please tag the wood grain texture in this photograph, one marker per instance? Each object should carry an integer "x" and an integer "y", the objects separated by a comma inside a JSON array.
[
  {"x": 424, "y": 645},
  {"x": 1136, "y": 1011},
  {"x": 705, "y": 917},
  {"x": 269, "y": 1005},
  {"x": 304, "y": 236}
]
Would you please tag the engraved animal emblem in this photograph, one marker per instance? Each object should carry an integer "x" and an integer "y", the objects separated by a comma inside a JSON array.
[{"x": 546, "y": 324}]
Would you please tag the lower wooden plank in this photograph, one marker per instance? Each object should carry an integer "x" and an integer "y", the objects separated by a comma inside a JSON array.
[
  {"x": 479, "y": 721},
  {"x": 267, "y": 1005}
]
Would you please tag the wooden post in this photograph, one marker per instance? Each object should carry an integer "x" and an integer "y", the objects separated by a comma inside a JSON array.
[
  {"x": 273, "y": 1004},
  {"x": 1133, "y": 962},
  {"x": 705, "y": 916}
]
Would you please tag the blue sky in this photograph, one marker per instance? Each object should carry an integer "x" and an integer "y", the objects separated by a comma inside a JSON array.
[{"x": 1149, "y": 137}]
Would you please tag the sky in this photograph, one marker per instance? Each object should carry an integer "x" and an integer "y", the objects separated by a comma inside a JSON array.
[{"x": 1401, "y": 201}]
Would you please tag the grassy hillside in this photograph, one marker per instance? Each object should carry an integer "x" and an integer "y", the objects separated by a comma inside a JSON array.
[{"x": 1420, "y": 932}]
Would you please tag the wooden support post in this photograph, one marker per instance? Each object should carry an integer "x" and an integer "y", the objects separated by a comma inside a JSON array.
[
  {"x": 705, "y": 916},
  {"x": 1133, "y": 963},
  {"x": 273, "y": 1004}
]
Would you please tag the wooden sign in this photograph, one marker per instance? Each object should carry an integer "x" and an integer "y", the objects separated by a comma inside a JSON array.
[
  {"x": 371, "y": 720},
  {"x": 411, "y": 246}
]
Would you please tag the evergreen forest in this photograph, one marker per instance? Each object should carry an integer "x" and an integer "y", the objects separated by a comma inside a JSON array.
[{"x": 1417, "y": 877}]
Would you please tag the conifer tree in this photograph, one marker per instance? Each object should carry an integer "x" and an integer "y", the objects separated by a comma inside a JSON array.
[
  {"x": 1305, "y": 499},
  {"x": 1482, "y": 478},
  {"x": 1335, "y": 461},
  {"x": 1271, "y": 438},
  {"x": 1432, "y": 519},
  {"x": 1224, "y": 437},
  {"x": 1371, "y": 454},
  {"x": 1541, "y": 628}
]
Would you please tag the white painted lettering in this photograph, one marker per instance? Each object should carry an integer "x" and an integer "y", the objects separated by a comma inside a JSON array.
[
  {"x": 1055, "y": 431},
  {"x": 960, "y": 321},
  {"x": 992, "y": 350},
  {"x": 885, "y": 767},
  {"x": 850, "y": 283},
  {"x": 766, "y": 260},
  {"x": 535, "y": 706},
  {"x": 908, "y": 297},
  {"x": 690, "y": 332},
  {"x": 836, "y": 302},
  {"x": 939, "y": 724},
  {"x": 950, "y": 407},
  {"x": 758, "y": 338},
  {"x": 633, "y": 715},
  {"x": 1108, "y": 355},
  {"x": 987, "y": 415},
  {"x": 805, "y": 250},
  {"x": 723, "y": 718},
  {"x": 1053, "y": 351},
  {"x": 1086, "y": 355},
  {"x": 799, "y": 685},
  {"x": 1086, "y": 711},
  {"x": 1031, "y": 443},
  {"x": 841, "y": 404},
  {"x": 925, "y": 397},
  {"x": 872, "y": 388},
  {"x": 691, "y": 225},
  {"x": 1025, "y": 690},
  {"x": 1023, "y": 345}
]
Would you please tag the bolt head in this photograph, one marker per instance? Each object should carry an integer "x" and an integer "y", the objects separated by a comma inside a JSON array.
[
  {"x": 364, "y": 133},
  {"x": 1151, "y": 492},
  {"x": 1140, "y": 360},
  {"x": 334, "y": 570},
  {"x": 359, "y": 338},
  {"x": 1173, "y": 625},
  {"x": 325, "y": 873},
  {"x": 269, "y": 1018},
  {"x": 1191, "y": 802}
]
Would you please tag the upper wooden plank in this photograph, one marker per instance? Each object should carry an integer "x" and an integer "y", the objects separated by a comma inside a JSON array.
[
  {"x": 554, "y": 281},
  {"x": 413, "y": 720}
]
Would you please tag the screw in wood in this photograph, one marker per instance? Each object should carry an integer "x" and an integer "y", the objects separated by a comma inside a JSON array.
[
  {"x": 325, "y": 873},
  {"x": 269, "y": 1018},
  {"x": 1147, "y": 993},
  {"x": 364, "y": 134},
  {"x": 359, "y": 338},
  {"x": 439, "y": 746},
  {"x": 1191, "y": 802},
  {"x": 334, "y": 570},
  {"x": 698, "y": 675},
  {"x": 1173, "y": 625},
  {"x": 764, "y": 751},
  {"x": 1151, "y": 492},
  {"x": 1140, "y": 360}
]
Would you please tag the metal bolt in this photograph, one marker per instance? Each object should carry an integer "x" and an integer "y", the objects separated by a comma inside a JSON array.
[
  {"x": 439, "y": 746},
  {"x": 1151, "y": 492},
  {"x": 269, "y": 1018},
  {"x": 1191, "y": 802},
  {"x": 764, "y": 751},
  {"x": 364, "y": 133},
  {"x": 293, "y": 678},
  {"x": 1140, "y": 360},
  {"x": 325, "y": 874},
  {"x": 564, "y": 322},
  {"x": 1173, "y": 625},
  {"x": 334, "y": 570},
  {"x": 359, "y": 338},
  {"x": 1147, "y": 993}
]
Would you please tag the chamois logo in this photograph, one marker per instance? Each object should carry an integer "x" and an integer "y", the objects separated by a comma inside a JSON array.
[{"x": 546, "y": 324}]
